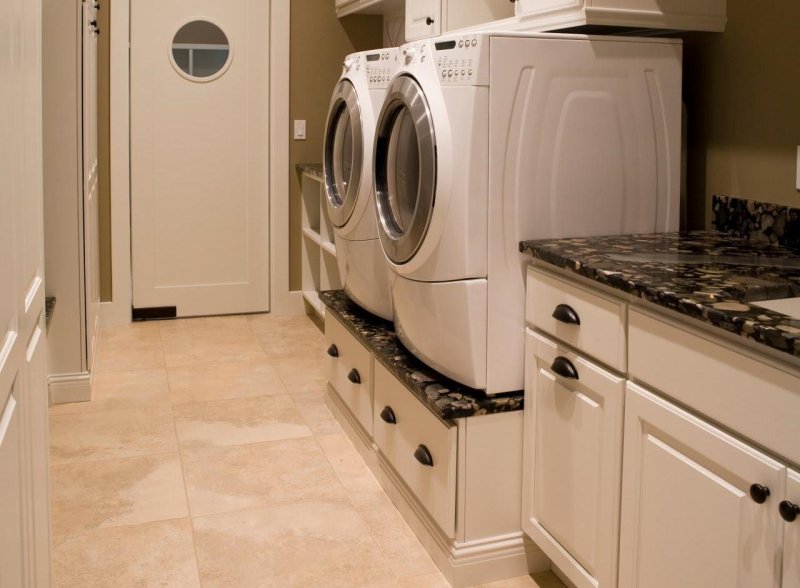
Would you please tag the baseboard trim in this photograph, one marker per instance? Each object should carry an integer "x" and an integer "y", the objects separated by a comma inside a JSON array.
[
  {"x": 65, "y": 388},
  {"x": 462, "y": 564}
]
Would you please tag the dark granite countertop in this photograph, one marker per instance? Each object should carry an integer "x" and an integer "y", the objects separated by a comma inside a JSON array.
[
  {"x": 312, "y": 169},
  {"x": 445, "y": 398},
  {"x": 705, "y": 275}
]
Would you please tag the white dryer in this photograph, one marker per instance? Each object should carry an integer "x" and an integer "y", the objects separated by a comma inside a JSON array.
[
  {"x": 347, "y": 165},
  {"x": 488, "y": 139}
]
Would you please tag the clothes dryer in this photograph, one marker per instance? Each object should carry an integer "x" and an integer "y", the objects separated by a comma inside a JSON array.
[
  {"x": 347, "y": 170},
  {"x": 488, "y": 139}
]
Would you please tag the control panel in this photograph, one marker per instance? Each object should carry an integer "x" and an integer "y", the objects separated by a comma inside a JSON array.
[
  {"x": 381, "y": 67},
  {"x": 458, "y": 60}
]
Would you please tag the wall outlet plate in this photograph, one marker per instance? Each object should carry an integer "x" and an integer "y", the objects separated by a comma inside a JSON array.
[{"x": 299, "y": 130}]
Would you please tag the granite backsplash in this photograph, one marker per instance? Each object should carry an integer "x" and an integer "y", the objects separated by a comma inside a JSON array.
[{"x": 758, "y": 222}]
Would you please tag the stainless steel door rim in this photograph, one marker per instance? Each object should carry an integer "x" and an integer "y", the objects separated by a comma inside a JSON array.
[
  {"x": 343, "y": 154},
  {"x": 405, "y": 169}
]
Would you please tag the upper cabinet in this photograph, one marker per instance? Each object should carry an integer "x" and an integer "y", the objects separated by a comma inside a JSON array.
[
  {"x": 429, "y": 18},
  {"x": 687, "y": 15},
  {"x": 423, "y": 18}
]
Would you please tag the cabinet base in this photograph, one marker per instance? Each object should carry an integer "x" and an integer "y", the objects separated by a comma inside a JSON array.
[
  {"x": 462, "y": 563},
  {"x": 65, "y": 388}
]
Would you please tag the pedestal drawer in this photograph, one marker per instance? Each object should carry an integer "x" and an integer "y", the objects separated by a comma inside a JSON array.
[
  {"x": 419, "y": 446},
  {"x": 350, "y": 370},
  {"x": 591, "y": 323}
]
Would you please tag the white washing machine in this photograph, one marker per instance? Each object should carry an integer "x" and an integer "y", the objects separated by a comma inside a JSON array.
[
  {"x": 347, "y": 164},
  {"x": 488, "y": 139}
]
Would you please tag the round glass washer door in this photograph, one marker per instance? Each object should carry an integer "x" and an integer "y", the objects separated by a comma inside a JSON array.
[
  {"x": 343, "y": 154},
  {"x": 405, "y": 169}
]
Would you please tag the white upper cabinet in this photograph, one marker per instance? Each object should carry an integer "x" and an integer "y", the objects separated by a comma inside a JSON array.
[
  {"x": 423, "y": 19},
  {"x": 699, "y": 508},
  {"x": 689, "y": 15}
]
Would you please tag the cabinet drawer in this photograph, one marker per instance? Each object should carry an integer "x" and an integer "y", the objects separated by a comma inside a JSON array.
[
  {"x": 572, "y": 457},
  {"x": 729, "y": 387},
  {"x": 416, "y": 431},
  {"x": 588, "y": 321},
  {"x": 350, "y": 370}
]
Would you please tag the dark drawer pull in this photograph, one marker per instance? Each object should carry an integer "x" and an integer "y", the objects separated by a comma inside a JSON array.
[
  {"x": 387, "y": 414},
  {"x": 759, "y": 493},
  {"x": 789, "y": 511},
  {"x": 354, "y": 376},
  {"x": 429, "y": 21},
  {"x": 424, "y": 456},
  {"x": 333, "y": 351},
  {"x": 566, "y": 314},
  {"x": 564, "y": 368}
]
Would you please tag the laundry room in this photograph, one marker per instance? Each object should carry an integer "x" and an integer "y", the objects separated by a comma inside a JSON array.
[{"x": 408, "y": 293}]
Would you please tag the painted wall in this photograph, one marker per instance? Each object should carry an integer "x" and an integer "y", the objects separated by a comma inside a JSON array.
[
  {"x": 319, "y": 42},
  {"x": 742, "y": 92}
]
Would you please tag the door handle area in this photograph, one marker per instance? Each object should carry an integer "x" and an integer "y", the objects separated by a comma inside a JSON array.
[
  {"x": 354, "y": 376},
  {"x": 388, "y": 416},
  {"x": 564, "y": 368},
  {"x": 333, "y": 351},
  {"x": 564, "y": 313},
  {"x": 423, "y": 456}
]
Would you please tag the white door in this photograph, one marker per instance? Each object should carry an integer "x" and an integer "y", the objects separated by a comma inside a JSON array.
[
  {"x": 90, "y": 180},
  {"x": 199, "y": 155},
  {"x": 699, "y": 508},
  {"x": 791, "y": 537},
  {"x": 573, "y": 461}
]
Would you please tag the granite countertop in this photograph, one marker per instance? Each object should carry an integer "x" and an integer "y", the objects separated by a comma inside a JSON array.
[
  {"x": 312, "y": 169},
  {"x": 709, "y": 276},
  {"x": 445, "y": 398}
]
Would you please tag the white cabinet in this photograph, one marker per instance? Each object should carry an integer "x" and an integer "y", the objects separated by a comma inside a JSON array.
[
  {"x": 572, "y": 461},
  {"x": 429, "y": 18},
  {"x": 423, "y": 19},
  {"x": 790, "y": 511},
  {"x": 350, "y": 371},
  {"x": 699, "y": 15},
  {"x": 320, "y": 270},
  {"x": 12, "y": 530},
  {"x": 699, "y": 508}
]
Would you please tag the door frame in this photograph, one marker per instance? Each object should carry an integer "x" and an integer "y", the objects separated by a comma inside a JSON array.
[{"x": 282, "y": 299}]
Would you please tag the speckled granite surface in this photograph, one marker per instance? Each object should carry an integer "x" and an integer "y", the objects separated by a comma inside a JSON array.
[
  {"x": 758, "y": 222},
  {"x": 709, "y": 276},
  {"x": 445, "y": 398},
  {"x": 313, "y": 169}
]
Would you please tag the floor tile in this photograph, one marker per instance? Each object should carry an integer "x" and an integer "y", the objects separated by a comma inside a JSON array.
[
  {"x": 288, "y": 336},
  {"x": 112, "y": 434},
  {"x": 542, "y": 580},
  {"x": 128, "y": 348},
  {"x": 434, "y": 580},
  {"x": 249, "y": 476},
  {"x": 311, "y": 544},
  {"x": 303, "y": 374},
  {"x": 221, "y": 381},
  {"x": 200, "y": 342},
  {"x": 239, "y": 421},
  {"x": 397, "y": 541},
  {"x": 316, "y": 413},
  {"x": 116, "y": 492},
  {"x": 142, "y": 389},
  {"x": 347, "y": 463},
  {"x": 153, "y": 554}
]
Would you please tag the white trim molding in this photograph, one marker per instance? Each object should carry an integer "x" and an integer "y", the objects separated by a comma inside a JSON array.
[
  {"x": 65, "y": 388},
  {"x": 282, "y": 300}
]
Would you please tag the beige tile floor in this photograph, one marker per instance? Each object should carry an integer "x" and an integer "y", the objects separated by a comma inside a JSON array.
[{"x": 207, "y": 457}]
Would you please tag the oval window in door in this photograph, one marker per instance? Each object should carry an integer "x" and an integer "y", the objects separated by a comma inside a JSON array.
[
  {"x": 200, "y": 51},
  {"x": 343, "y": 152}
]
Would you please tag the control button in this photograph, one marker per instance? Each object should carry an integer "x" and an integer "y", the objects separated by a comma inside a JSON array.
[
  {"x": 474, "y": 42},
  {"x": 423, "y": 59},
  {"x": 444, "y": 73},
  {"x": 470, "y": 72},
  {"x": 461, "y": 43},
  {"x": 463, "y": 72},
  {"x": 449, "y": 73}
]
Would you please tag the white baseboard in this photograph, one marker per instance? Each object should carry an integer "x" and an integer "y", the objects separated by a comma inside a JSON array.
[
  {"x": 462, "y": 564},
  {"x": 65, "y": 388}
]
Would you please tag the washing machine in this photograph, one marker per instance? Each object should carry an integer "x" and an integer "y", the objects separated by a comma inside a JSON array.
[
  {"x": 488, "y": 139},
  {"x": 347, "y": 167}
]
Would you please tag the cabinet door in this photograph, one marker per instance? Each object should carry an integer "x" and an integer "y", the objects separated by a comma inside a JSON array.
[
  {"x": 688, "y": 518},
  {"x": 542, "y": 6},
  {"x": 791, "y": 537},
  {"x": 12, "y": 535},
  {"x": 573, "y": 454},
  {"x": 423, "y": 19}
]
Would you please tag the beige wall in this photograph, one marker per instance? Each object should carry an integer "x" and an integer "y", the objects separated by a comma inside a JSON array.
[
  {"x": 104, "y": 146},
  {"x": 742, "y": 92},
  {"x": 319, "y": 42}
]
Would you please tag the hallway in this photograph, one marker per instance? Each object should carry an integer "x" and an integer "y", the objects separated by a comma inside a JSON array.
[{"x": 207, "y": 457}]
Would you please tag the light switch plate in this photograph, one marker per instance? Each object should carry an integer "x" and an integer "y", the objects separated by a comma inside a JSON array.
[{"x": 299, "y": 130}]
